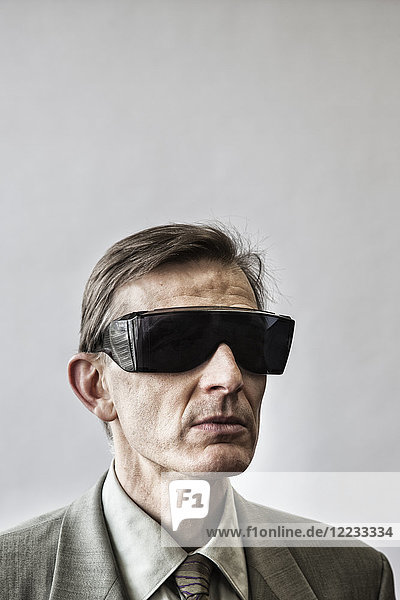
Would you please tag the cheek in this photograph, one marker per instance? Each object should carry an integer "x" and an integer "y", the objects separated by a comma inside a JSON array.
[
  {"x": 130, "y": 407},
  {"x": 256, "y": 387},
  {"x": 150, "y": 402}
]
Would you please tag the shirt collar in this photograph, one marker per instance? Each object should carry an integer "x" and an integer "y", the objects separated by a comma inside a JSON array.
[{"x": 145, "y": 566}]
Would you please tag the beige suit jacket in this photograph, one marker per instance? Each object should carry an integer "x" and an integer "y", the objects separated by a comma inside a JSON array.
[{"x": 67, "y": 555}]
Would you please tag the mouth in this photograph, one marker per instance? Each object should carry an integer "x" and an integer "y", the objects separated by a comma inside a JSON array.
[{"x": 220, "y": 424}]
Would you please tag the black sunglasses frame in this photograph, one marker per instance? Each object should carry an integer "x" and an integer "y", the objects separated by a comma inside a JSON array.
[{"x": 123, "y": 341}]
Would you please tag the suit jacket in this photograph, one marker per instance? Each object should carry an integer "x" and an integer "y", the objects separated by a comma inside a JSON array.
[{"x": 67, "y": 555}]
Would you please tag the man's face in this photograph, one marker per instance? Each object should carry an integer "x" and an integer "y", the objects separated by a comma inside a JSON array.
[{"x": 205, "y": 419}]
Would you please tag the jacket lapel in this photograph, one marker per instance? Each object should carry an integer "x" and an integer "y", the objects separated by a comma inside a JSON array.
[
  {"x": 273, "y": 572},
  {"x": 276, "y": 569},
  {"x": 85, "y": 568}
]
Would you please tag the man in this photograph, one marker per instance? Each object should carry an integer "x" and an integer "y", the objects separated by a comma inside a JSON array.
[{"x": 173, "y": 358}]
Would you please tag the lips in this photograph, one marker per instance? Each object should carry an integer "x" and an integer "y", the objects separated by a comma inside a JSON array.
[
  {"x": 220, "y": 424},
  {"x": 233, "y": 420}
]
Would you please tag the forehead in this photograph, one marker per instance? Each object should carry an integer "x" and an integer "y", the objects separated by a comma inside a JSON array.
[{"x": 201, "y": 283}]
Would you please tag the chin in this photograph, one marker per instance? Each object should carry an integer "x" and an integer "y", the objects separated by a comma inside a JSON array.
[{"x": 224, "y": 460}]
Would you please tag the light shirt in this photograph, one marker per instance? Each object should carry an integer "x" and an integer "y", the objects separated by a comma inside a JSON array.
[{"x": 145, "y": 565}]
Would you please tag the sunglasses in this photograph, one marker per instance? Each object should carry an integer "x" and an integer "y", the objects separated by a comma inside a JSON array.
[{"x": 174, "y": 340}]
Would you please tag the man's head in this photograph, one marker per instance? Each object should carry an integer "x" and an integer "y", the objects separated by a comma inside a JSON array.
[{"x": 205, "y": 419}]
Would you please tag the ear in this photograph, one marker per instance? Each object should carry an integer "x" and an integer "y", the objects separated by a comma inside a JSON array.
[{"x": 85, "y": 377}]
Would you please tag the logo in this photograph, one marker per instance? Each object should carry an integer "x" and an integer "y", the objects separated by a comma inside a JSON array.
[{"x": 188, "y": 499}]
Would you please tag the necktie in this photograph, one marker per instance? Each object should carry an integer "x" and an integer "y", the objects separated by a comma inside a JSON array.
[{"x": 193, "y": 577}]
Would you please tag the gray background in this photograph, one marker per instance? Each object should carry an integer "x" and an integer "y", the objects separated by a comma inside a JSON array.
[{"x": 280, "y": 117}]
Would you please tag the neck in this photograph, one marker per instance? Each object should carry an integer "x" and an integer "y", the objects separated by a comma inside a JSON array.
[{"x": 148, "y": 485}]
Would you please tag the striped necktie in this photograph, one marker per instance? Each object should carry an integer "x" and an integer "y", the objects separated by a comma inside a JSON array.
[{"x": 193, "y": 577}]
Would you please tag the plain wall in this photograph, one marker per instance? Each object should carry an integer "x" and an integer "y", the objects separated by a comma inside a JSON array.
[{"x": 279, "y": 117}]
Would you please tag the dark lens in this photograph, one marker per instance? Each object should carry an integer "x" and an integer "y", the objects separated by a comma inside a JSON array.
[
  {"x": 174, "y": 342},
  {"x": 262, "y": 343},
  {"x": 180, "y": 341}
]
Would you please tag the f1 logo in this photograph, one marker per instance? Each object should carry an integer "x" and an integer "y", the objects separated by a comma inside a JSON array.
[{"x": 188, "y": 499}]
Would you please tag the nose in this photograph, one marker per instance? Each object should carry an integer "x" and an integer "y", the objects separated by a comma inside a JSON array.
[{"x": 221, "y": 372}]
